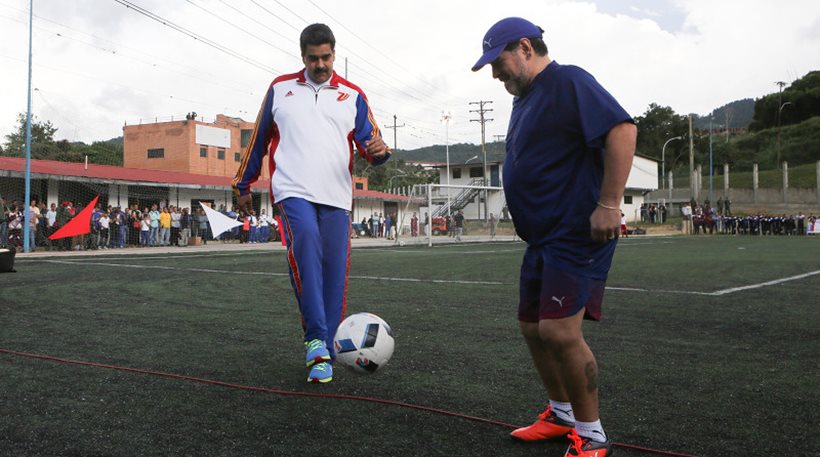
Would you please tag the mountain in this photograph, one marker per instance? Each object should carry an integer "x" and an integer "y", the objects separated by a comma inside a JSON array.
[
  {"x": 738, "y": 113},
  {"x": 459, "y": 153}
]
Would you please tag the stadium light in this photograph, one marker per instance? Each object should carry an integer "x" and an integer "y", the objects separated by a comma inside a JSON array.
[
  {"x": 445, "y": 117},
  {"x": 470, "y": 159}
]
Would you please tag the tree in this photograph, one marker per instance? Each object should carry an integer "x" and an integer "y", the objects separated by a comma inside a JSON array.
[
  {"x": 99, "y": 152},
  {"x": 798, "y": 102},
  {"x": 655, "y": 126},
  {"x": 42, "y": 139}
]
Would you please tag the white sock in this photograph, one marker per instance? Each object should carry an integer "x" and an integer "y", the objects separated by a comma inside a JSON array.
[
  {"x": 591, "y": 430},
  {"x": 562, "y": 410}
]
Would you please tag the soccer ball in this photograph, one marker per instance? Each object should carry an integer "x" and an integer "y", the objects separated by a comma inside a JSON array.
[{"x": 364, "y": 343}]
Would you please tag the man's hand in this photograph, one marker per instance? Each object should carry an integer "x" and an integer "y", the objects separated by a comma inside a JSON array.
[
  {"x": 376, "y": 147},
  {"x": 245, "y": 203},
  {"x": 605, "y": 224}
]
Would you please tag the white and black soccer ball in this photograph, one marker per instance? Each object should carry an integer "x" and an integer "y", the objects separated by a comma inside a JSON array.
[{"x": 364, "y": 343}]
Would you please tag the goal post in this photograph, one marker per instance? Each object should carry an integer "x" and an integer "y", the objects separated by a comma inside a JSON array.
[{"x": 438, "y": 203}]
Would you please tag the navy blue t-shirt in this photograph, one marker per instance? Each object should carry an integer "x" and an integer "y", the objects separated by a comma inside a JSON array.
[{"x": 554, "y": 165}]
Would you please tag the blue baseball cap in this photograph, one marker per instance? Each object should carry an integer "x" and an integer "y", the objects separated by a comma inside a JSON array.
[{"x": 501, "y": 34}]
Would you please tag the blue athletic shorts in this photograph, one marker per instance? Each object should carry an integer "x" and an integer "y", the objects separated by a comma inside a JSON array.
[{"x": 547, "y": 292}]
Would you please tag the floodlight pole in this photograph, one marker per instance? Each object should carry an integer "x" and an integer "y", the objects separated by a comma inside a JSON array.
[
  {"x": 445, "y": 117},
  {"x": 27, "y": 200}
]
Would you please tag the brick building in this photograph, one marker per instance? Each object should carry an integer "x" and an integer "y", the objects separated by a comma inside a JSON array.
[{"x": 189, "y": 146}]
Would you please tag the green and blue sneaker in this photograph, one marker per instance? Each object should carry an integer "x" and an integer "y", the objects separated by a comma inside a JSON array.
[
  {"x": 321, "y": 372},
  {"x": 316, "y": 352}
]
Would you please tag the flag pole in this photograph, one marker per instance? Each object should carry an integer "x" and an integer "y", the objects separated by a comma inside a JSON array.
[{"x": 27, "y": 201}]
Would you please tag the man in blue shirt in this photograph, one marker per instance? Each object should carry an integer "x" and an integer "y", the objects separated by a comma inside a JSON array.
[{"x": 569, "y": 152}]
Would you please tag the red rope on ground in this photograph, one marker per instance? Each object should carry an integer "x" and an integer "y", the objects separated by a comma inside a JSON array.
[{"x": 305, "y": 394}]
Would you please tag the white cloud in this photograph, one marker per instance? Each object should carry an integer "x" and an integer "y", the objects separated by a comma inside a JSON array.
[{"x": 413, "y": 59}]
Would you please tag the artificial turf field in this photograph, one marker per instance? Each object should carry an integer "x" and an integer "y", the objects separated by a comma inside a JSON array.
[{"x": 709, "y": 346}]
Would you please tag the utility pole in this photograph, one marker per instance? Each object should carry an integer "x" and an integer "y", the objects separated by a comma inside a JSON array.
[
  {"x": 483, "y": 120},
  {"x": 692, "y": 188},
  {"x": 780, "y": 85},
  {"x": 395, "y": 128}
]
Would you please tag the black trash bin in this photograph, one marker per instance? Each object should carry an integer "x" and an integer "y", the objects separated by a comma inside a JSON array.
[{"x": 7, "y": 260}]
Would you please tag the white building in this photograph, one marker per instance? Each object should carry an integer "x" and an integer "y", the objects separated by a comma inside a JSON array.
[{"x": 642, "y": 179}]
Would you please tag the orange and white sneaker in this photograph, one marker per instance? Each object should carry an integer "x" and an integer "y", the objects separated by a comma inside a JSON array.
[
  {"x": 547, "y": 427},
  {"x": 585, "y": 447}
]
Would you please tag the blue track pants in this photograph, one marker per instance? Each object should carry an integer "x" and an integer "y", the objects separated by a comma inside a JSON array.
[{"x": 318, "y": 243}]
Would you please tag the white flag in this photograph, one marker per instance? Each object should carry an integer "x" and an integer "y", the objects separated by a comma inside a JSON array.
[{"x": 220, "y": 223}]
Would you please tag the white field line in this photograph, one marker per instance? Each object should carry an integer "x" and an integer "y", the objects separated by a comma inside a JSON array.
[
  {"x": 264, "y": 273},
  {"x": 764, "y": 284},
  {"x": 80, "y": 260},
  {"x": 443, "y": 281}
]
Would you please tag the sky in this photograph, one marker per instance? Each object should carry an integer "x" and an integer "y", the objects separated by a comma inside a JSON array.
[{"x": 99, "y": 65}]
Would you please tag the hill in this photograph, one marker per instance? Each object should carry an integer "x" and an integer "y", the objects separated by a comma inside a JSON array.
[
  {"x": 459, "y": 153},
  {"x": 737, "y": 114}
]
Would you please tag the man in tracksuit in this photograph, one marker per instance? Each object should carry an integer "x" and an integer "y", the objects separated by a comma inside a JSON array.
[{"x": 308, "y": 126}]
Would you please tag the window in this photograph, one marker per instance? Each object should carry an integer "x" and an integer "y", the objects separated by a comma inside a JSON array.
[
  {"x": 359, "y": 186},
  {"x": 476, "y": 172},
  {"x": 220, "y": 154},
  {"x": 627, "y": 199},
  {"x": 456, "y": 173},
  {"x": 237, "y": 157},
  {"x": 156, "y": 153},
  {"x": 245, "y": 137},
  {"x": 203, "y": 152}
]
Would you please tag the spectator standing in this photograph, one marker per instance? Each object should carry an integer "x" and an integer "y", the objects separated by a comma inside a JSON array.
[
  {"x": 153, "y": 216},
  {"x": 204, "y": 227},
  {"x": 493, "y": 224},
  {"x": 414, "y": 225},
  {"x": 164, "y": 227},
  {"x": 51, "y": 220},
  {"x": 105, "y": 225},
  {"x": 374, "y": 224},
  {"x": 15, "y": 224},
  {"x": 263, "y": 227},
  {"x": 4, "y": 222},
  {"x": 145, "y": 231},
  {"x": 388, "y": 226},
  {"x": 185, "y": 222},
  {"x": 34, "y": 217},
  {"x": 458, "y": 219},
  {"x": 175, "y": 225},
  {"x": 254, "y": 222}
]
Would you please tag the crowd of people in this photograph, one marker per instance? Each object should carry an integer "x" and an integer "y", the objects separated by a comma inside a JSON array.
[
  {"x": 653, "y": 214},
  {"x": 705, "y": 219},
  {"x": 114, "y": 227},
  {"x": 379, "y": 225}
]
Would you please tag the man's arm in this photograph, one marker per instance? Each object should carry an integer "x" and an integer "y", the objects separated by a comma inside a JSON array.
[
  {"x": 251, "y": 165},
  {"x": 605, "y": 221},
  {"x": 367, "y": 135}
]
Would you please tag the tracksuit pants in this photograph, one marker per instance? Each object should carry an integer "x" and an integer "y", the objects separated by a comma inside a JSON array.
[{"x": 318, "y": 246}]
